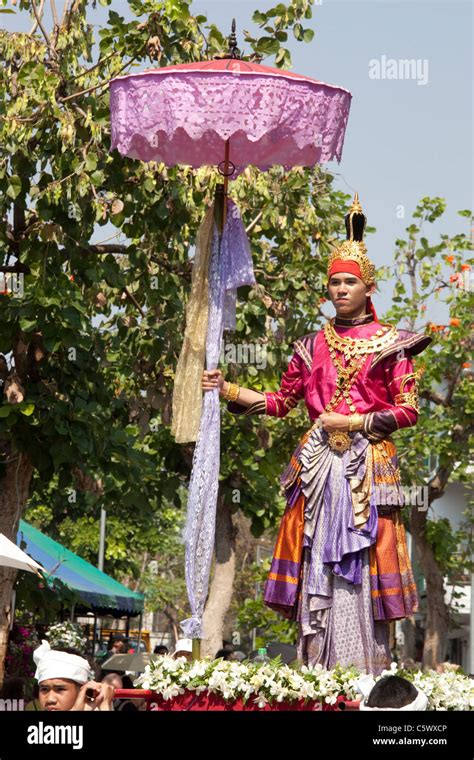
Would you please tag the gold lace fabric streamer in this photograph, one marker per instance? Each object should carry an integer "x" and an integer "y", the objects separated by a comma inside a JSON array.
[
  {"x": 187, "y": 392},
  {"x": 361, "y": 491},
  {"x": 379, "y": 468}
]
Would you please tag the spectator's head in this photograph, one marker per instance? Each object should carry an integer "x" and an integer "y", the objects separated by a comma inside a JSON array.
[
  {"x": 114, "y": 680},
  {"x": 13, "y": 688},
  {"x": 160, "y": 649},
  {"x": 184, "y": 648},
  {"x": 225, "y": 654},
  {"x": 118, "y": 645},
  {"x": 391, "y": 693},
  {"x": 60, "y": 674}
]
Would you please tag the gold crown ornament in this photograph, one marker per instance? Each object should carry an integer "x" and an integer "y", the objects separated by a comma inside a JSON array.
[{"x": 354, "y": 249}]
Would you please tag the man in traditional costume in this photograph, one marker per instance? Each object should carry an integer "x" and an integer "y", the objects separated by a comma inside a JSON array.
[{"x": 341, "y": 567}]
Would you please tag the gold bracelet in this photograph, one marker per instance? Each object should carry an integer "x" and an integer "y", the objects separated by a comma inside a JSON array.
[
  {"x": 232, "y": 392},
  {"x": 356, "y": 422}
]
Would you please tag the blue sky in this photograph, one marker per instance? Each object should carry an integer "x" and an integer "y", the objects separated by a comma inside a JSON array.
[{"x": 404, "y": 140}]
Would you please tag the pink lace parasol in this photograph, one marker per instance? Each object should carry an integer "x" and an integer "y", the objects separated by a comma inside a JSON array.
[{"x": 185, "y": 114}]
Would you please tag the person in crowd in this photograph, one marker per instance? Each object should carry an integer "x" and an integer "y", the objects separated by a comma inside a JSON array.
[
  {"x": 183, "y": 648},
  {"x": 225, "y": 654},
  {"x": 118, "y": 644},
  {"x": 113, "y": 679},
  {"x": 34, "y": 704},
  {"x": 13, "y": 688},
  {"x": 160, "y": 649},
  {"x": 390, "y": 693},
  {"x": 65, "y": 683}
]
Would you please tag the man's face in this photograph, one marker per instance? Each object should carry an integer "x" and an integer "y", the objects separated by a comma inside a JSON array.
[
  {"x": 58, "y": 694},
  {"x": 348, "y": 293},
  {"x": 118, "y": 647}
]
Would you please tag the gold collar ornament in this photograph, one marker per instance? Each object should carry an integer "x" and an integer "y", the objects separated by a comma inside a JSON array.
[{"x": 385, "y": 336}]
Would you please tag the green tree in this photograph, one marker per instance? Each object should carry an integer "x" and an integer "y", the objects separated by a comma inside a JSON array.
[
  {"x": 442, "y": 438},
  {"x": 89, "y": 347}
]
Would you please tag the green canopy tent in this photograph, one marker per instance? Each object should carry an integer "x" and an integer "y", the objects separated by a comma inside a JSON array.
[{"x": 95, "y": 590}]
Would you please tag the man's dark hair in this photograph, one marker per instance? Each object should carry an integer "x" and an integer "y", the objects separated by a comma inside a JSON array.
[
  {"x": 160, "y": 649},
  {"x": 392, "y": 691},
  {"x": 224, "y": 653},
  {"x": 13, "y": 688}
]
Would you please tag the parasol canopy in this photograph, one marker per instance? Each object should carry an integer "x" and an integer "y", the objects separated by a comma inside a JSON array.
[
  {"x": 12, "y": 556},
  {"x": 184, "y": 114}
]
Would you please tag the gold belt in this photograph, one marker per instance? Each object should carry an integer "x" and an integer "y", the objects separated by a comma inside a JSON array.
[{"x": 338, "y": 441}]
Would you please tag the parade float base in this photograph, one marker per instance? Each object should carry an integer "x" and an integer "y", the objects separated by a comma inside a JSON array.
[{"x": 208, "y": 702}]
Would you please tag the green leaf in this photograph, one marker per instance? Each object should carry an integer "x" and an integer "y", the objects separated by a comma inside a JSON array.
[
  {"x": 14, "y": 186},
  {"x": 267, "y": 45},
  {"x": 27, "y": 409},
  {"x": 28, "y": 324}
]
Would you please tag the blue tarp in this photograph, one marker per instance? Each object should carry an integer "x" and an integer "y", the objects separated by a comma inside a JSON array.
[{"x": 94, "y": 588}]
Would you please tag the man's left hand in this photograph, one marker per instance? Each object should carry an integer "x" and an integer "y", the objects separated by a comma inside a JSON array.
[{"x": 333, "y": 421}]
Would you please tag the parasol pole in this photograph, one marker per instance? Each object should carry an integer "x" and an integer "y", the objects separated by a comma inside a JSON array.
[
  {"x": 226, "y": 180},
  {"x": 226, "y": 168},
  {"x": 229, "y": 168},
  {"x": 220, "y": 214},
  {"x": 196, "y": 649},
  {"x": 220, "y": 208}
]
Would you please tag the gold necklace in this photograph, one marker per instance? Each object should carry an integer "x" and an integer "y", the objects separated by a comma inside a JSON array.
[
  {"x": 384, "y": 337},
  {"x": 355, "y": 351},
  {"x": 344, "y": 381}
]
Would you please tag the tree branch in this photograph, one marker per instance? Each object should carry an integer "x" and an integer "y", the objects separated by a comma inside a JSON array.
[
  {"x": 254, "y": 221},
  {"x": 38, "y": 19},
  {"x": 433, "y": 396},
  {"x": 95, "y": 66},
  {"x": 54, "y": 12},
  {"x": 437, "y": 485},
  {"x": 101, "y": 84},
  {"x": 134, "y": 301},
  {"x": 108, "y": 248},
  {"x": 65, "y": 11},
  {"x": 35, "y": 25}
]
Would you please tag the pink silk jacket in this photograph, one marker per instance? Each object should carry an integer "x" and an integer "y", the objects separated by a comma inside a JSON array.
[{"x": 384, "y": 390}]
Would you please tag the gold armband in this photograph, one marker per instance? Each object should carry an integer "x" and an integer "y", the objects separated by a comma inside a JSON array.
[
  {"x": 356, "y": 422},
  {"x": 232, "y": 392}
]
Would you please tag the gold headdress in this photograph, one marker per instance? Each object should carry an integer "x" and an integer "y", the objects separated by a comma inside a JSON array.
[{"x": 353, "y": 249}]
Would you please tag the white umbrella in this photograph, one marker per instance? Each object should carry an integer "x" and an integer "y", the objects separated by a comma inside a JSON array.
[
  {"x": 12, "y": 556},
  {"x": 133, "y": 663}
]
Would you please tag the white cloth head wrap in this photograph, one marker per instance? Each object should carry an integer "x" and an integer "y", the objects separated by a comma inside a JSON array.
[
  {"x": 365, "y": 684},
  {"x": 53, "y": 664}
]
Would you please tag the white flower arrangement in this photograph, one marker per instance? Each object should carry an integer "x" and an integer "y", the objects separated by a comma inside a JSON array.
[
  {"x": 272, "y": 682},
  {"x": 66, "y": 635}
]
